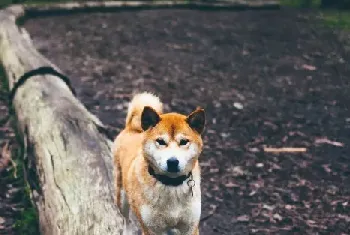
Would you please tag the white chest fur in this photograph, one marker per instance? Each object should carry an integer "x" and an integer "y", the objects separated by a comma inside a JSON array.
[{"x": 171, "y": 208}]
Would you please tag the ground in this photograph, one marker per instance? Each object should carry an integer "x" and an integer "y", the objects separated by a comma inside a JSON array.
[
  {"x": 9, "y": 193},
  {"x": 265, "y": 78}
]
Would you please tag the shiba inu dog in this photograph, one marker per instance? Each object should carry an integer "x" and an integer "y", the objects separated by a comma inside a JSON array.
[{"x": 156, "y": 167}]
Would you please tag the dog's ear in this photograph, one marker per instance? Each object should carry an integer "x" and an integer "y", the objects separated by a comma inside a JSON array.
[
  {"x": 196, "y": 120},
  {"x": 149, "y": 118}
]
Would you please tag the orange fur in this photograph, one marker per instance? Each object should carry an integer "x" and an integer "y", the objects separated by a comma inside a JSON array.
[{"x": 158, "y": 207}]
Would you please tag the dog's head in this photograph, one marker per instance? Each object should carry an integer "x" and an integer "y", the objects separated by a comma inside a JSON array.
[{"x": 172, "y": 142}]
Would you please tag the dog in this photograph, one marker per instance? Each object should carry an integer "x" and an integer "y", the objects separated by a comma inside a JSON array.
[{"x": 157, "y": 173}]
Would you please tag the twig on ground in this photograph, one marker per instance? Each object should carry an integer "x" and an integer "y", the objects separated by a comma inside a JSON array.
[
  {"x": 211, "y": 213},
  {"x": 284, "y": 150}
]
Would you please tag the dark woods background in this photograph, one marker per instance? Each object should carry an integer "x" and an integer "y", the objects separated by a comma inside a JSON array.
[{"x": 301, "y": 3}]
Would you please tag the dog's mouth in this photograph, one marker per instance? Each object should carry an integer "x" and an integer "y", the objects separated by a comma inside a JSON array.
[{"x": 167, "y": 180}]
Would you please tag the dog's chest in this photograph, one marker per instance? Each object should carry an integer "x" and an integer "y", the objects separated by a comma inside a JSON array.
[
  {"x": 170, "y": 216},
  {"x": 170, "y": 208}
]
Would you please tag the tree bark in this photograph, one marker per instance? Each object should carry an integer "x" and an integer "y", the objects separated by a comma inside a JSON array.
[{"x": 70, "y": 164}]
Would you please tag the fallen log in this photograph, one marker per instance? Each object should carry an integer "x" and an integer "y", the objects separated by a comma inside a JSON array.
[
  {"x": 88, "y": 6},
  {"x": 69, "y": 159}
]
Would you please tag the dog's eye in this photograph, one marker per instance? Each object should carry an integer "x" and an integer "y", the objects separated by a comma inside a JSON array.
[
  {"x": 160, "y": 141},
  {"x": 184, "y": 141}
]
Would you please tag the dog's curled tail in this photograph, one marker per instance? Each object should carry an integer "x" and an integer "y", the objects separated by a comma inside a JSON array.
[{"x": 136, "y": 106}]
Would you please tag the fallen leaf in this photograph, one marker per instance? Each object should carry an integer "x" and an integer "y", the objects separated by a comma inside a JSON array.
[
  {"x": 259, "y": 165},
  {"x": 237, "y": 171},
  {"x": 238, "y": 105},
  {"x": 254, "y": 150},
  {"x": 215, "y": 188},
  {"x": 310, "y": 222},
  {"x": 267, "y": 207},
  {"x": 275, "y": 166},
  {"x": 327, "y": 141},
  {"x": 345, "y": 217},
  {"x": 225, "y": 135},
  {"x": 231, "y": 185},
  {"x": 277, "y": 217},
  {"x": 219, "y": 199},
  {"x": 2, "y": 221},
  {"x": 326, "y": 168},
  {"x": 213, "y": 208},
  {"x": 204, "y": 164},
  {"x": 252, "y": 193},
  {"x": 242, "y": 218},
  {"x": 308, "y": 67}
]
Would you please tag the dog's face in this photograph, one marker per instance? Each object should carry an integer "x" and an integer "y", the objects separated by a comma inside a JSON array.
[{"x": 172, "y": 141}]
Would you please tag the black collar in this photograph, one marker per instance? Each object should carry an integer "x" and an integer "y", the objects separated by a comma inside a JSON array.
[{"x": 168, "y": 181}]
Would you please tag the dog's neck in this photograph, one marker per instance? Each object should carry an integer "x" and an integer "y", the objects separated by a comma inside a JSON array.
[{"x": 168, "y": 181}]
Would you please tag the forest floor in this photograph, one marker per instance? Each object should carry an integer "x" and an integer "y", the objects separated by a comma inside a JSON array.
[{"x": 275, "y": 78}]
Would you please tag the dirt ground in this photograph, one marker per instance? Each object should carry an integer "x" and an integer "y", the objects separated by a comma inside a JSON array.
[
  {"x": 265, "y": 78},
  {"x": 10, "y": 187}
]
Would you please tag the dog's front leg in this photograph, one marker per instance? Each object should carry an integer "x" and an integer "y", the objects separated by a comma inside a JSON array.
[
  {"x": 145, "y": 231},
  {"x": 117, "y": 180},
  {"x": 194, "y": 231},
  {"x": 124, "y": 204}
]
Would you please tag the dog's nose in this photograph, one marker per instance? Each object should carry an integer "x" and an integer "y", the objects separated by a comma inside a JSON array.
[{"x": 173, "y": 164}]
